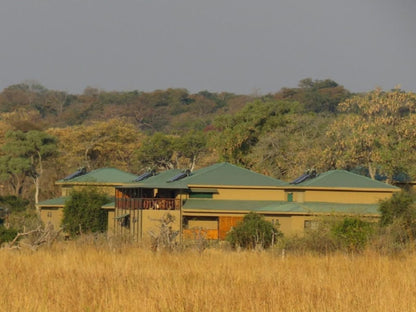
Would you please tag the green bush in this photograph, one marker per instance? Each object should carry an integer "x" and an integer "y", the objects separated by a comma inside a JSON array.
[
  {"x": 331, "y": 234},
  {"x": 252, "y": 232},
  {"x": 317, "y": 240},
  {"x": 13, "y": 203},
  {"x": 398, "y": 218},
  {"x": 7, "y": 235},
  {"x": 399, "y": 206},
  {"x": 26, "y": 220},
  {"x": 83, "y": 213},
  {"x": 352, "y": 234}
]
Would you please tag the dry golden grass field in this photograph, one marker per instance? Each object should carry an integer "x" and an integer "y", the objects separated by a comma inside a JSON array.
[{"x": 73, "y": 277}]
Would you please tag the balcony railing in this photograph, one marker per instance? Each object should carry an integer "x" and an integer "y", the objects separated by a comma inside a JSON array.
[{"x": 148, "y": 203}]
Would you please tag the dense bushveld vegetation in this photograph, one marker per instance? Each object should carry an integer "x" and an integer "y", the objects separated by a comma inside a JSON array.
[{"x": 46, "y": 134}]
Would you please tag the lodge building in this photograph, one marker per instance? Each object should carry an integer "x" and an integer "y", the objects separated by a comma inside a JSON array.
[{"x": 213, "y": 199}]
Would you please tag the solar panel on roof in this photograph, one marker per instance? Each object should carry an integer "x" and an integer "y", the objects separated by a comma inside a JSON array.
[
  {"x": 77, "y": 173},
  {"x": 180, "y": 176},
  {"x": 309, "y": 174},
  {"x": 145, "y": 175}
]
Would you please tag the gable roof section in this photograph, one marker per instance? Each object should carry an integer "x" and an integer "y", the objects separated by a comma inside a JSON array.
[
  {"x": 102, "y": 175},
  {"x": 230, "y": 175},
  {"x": 160, "y": 180},
  {"x": 220, "y": 174},
  {"x": 345, "y": 179}
]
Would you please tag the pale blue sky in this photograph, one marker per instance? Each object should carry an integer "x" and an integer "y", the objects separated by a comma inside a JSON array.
[{"x": 238, "y": 46}]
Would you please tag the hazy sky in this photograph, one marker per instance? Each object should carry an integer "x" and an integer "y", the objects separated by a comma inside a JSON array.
[{"x": 240, "y": 46}]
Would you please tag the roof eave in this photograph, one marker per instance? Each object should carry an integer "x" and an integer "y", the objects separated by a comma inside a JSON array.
[
  {"x": 277, "y": 187},
  {"x": 355, "y": 189}
]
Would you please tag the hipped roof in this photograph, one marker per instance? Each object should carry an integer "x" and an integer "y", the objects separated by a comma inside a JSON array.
[
  {"x": 102, "y": 176},
  {"x": 344, "y": 179},
  {"x": 220, "y": 174}
]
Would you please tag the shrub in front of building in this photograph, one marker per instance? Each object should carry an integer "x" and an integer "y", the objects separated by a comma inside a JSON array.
[
  {"x": 253, "y": 232},
  {"x": 83, "y": 213}
]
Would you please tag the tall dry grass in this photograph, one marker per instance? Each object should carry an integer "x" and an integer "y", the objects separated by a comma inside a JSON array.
[{"x": 74, "y": 277}]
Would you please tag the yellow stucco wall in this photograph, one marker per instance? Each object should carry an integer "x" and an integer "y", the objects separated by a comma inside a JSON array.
[
  {"x": 285, "y": 222},
  {"x": 52, "y": 215},
  {"x": 65, "y": 191},
  {"x": 150, "y": 220},
  {"x": 204, "y": 224},
  {"x": 252, "y": 194},
  {"x": 346, "y": 197},
  {"x": 110, "y": 224}
]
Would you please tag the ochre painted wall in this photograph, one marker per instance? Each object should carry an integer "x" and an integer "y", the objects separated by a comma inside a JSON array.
[
  {"x": 285, "y": 222},
  {"x": 204, "y": 224},
  {"x": 110, "y": 224},
  {"x": 251, "y": 194},
  {"x": 150, "y": 221},
  {"x": 346, "y": 197},
  {"x": 52, "y": 215}
]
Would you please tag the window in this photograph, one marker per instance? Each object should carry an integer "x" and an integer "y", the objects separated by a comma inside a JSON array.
[
  {"x": 125, "y": 222},
  {"x": 290, "y": 197},
  {"x": 311, "y": 224},
  {"x": 275, "y": 222},
  {"x": 49, "y": 214}
]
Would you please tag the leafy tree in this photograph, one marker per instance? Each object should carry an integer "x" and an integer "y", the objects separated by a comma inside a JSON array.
[
  {"x": 99, "y": 144},
  {"x": 7, "y": 234},
  {"x": 319, "y": 96},
  {"x": 25, "y": 153},
  {"x": 398, "y": 214},
  {"x": 253, "y": 231},
  {"x": 13, "y": 203},
  {"x": 24, "y": 95},
  {"x": 14, "y": 170},
  {"x": 352, "y": 233},
  {"x": 191, "y": 146},
  {"x": 83, "y": 213},
  {"x": 157, "y": 151},
  {"x": 23, "y": 120},
  {"x": 287, "y": 150},
  {"x": 378, "y": 131},
  {"x": 399, "y": 206},
  {"x": 239, "y": 133}
]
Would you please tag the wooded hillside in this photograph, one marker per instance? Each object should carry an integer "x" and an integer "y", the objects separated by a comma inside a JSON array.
[{"x": 47, "y": 134}]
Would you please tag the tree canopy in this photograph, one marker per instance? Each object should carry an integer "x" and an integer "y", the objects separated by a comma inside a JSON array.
[
  {"x": 376, "y": 130},
  {"x": 318, "y": 124},
  {"x": 83, "y": 213}
]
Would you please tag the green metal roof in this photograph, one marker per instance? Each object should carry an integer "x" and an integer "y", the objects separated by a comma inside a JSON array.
[
  {"x": 103, "y": 175},
  {"x": 344, "y": 179},
  {"x": 221, "y": 174},
  {"x": 109, "y": 205},
  {"x": 230, "y": 175},
  {"x": 160, "y": 180},
  {"x": 59, "y": 201},
  {"x": 193, "y": 205}
]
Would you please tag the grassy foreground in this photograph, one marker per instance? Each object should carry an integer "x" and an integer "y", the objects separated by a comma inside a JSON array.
[{"x": 73, "y": 277}]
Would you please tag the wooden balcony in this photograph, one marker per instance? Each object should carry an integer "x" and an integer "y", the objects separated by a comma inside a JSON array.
[{"x": 148, "y": 203}]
